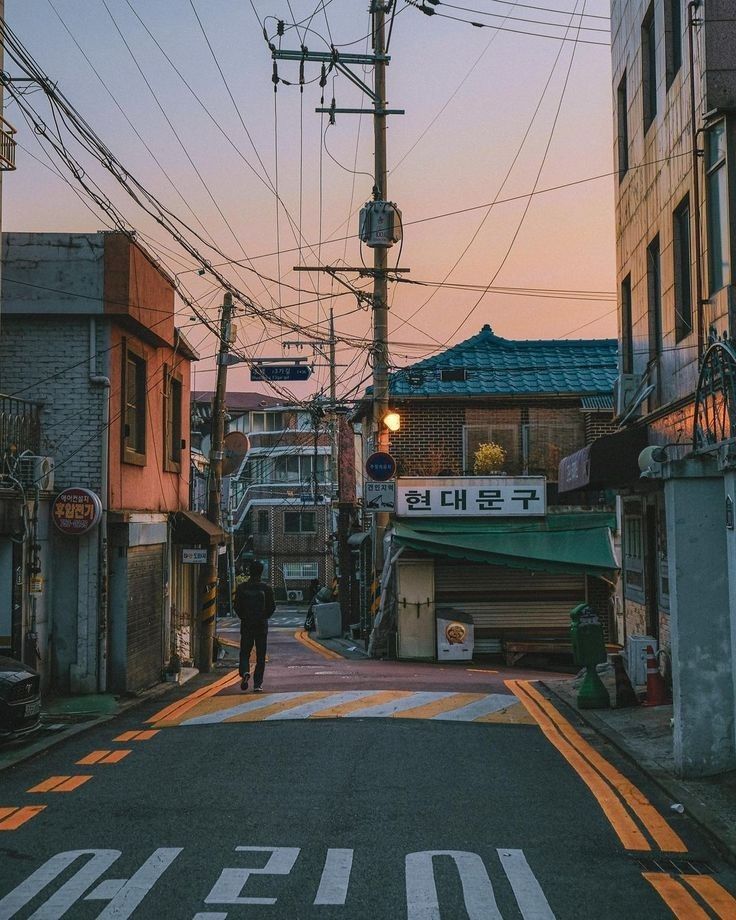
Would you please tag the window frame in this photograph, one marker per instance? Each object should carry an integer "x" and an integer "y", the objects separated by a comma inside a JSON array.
[
  {"x": 673, "y": 38},
  {"x": 300, "y": 515},
  {"x": 654, "y": 297},
  {"x": 263, "y": 515},
  {"x": 173, "y": 420},
  {"x": 717, "y": 171},
  {"x": 136, "y": 454},
  {"x": 649, "y": 67},
  {"x": 622, "y": 116},
  {"x": 627, "y": 330},
  {"x": 682, "y": 265},
  {"x": 633, "y": 549}
]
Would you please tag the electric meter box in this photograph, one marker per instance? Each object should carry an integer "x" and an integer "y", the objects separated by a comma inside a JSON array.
[{"x": 380, "y": 224}]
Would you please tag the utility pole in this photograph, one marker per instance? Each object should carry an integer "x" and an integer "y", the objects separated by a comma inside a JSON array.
[{"x": 208, "y": 607}]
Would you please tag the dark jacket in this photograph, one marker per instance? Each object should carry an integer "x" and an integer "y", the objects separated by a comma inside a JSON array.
[{"x": 254, "y": 604}]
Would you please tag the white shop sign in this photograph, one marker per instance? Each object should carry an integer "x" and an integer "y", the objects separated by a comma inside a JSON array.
[
  {"x": 194, "y": 556},
  {"x": 472, "y": 496}
]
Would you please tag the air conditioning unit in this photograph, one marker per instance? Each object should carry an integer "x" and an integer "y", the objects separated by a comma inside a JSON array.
[
  {"x": 294, "y": 595},
  {"x": 624, "y": 390},
  {"x": 636, "y": 658},
  {"x": 32, "y": 471}
]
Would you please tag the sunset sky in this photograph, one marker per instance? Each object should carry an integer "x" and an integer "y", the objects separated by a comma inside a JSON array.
[{"x": 470, "y": 96}]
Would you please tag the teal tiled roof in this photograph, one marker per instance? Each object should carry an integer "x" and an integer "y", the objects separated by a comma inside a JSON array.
[{"x": 487, "y": 365}]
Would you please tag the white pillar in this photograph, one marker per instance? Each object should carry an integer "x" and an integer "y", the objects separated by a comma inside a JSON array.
[{"x": 702, "y": 654}]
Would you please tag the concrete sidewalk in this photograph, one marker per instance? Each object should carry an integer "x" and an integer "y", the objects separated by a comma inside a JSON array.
[{"x": 644, "y": 735}]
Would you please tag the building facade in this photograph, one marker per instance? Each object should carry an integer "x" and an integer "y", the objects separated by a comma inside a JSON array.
[
  {"x": 88, "y": 332},
  {"x": 673, "y": 151},
  {"x": 533, "y": 401}
]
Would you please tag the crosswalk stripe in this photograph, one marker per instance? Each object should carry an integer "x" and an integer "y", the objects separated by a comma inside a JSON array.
[
  {"x": 329, "y": 700},
  {"x": 403, "y": 699},
  {"x": 482, "y": 708},
  {"x": 368, "y": 698},
  {"x": 254, "y": 702},
  {"x": 437, "y": 707}
]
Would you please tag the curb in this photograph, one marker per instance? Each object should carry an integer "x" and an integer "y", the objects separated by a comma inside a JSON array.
[
  {"x": 723, "y": 838},
  {"x": 38, "y": 747}
]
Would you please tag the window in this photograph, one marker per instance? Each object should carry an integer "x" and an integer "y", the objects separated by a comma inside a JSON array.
[
  {"x": 300, "y": 522},
  {"x": 262, "y": 522},
  {"x": 453, "y": 375},
  {"x": 622, "y": 113},
  {"x": 301, "y": 570},
  {"x": 633, "y": 550},
  {"x": 649, "y": 67},
  {"x": 719, "y": 262},
  {"x": 654, "y": 293},
  {"x": 266, "y": 421},
  {"x": 673, "y": 37},
  {"x": 683, "y": 277},
  {"x": 627, "y": 339},
  {"x": 286, "y": 468},
  {"x": 172, "y": 420},
  {"x": 134, "y": 412}
]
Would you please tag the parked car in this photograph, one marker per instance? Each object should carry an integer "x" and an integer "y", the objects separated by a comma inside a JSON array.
[{"x": 20, "y": 699}]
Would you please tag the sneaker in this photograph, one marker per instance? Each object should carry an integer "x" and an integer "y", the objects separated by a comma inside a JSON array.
[
  {"x": 244, "y": 682},
  {"x": 258, "y": 689}
]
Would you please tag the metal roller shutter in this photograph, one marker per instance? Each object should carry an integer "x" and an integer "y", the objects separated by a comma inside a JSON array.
[
  {"x": 145, "y": 615},
  {"x": 508, "y": 602}
]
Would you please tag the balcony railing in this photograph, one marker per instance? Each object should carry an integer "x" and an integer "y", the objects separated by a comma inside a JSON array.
[
  {"x": 20, "y": 426},
  {"x": 7, "y": 145}
]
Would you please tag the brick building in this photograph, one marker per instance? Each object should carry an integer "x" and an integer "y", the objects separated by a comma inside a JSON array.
[
  {"x": 88, "y": 333},
  {"x": 538, "y": 401}
]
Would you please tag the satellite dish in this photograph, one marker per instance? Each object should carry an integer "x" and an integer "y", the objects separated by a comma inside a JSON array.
[{"x": 236, "y": 445}]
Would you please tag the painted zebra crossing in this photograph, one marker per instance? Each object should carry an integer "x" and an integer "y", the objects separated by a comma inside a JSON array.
[{"x": 352, "y": 704}]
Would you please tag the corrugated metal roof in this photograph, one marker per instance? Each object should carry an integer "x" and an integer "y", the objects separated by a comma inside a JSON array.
[
  {"x": 488, "y": 365},
  {"x": 597, "y": 403}
]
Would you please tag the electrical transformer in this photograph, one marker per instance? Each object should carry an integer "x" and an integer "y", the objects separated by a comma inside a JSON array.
[{"x": 380, "y": 224}]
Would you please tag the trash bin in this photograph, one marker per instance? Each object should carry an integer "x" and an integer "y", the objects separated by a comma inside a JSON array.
[
  {"x": 328, "y": 621},
  {"x": 455, "y": 635}
]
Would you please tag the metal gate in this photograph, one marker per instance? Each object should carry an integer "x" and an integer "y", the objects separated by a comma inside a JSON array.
[
  {"x": 145, "y": 616},
  {"x": 509, "y": 603}
]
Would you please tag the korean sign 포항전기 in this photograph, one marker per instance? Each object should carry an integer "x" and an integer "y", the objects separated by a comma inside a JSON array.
[
  {"x": 76, "y": 511},
  {"x": 472, "y": 496}
]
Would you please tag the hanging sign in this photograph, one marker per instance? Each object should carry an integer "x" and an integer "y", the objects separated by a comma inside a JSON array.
[
  {"x": 275, "y": 372},
  {"x": 194, "y": 556},
  {"x": 76, "y": 511}
]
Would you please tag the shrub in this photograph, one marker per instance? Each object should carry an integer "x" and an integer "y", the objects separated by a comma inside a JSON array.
[{"x": 488, "y": 458}]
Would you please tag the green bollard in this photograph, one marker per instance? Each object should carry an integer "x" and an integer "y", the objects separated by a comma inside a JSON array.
[{"x": 589, "y": 650}]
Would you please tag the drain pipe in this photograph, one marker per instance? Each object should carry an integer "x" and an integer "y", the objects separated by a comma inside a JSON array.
[
  {"x": 696, "y": 155},
  {"x": 102, "y": 631}
]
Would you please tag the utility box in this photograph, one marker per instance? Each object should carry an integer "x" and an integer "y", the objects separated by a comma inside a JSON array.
[
  {"x": 455, "y": 635},
  {"x": 328, "y": 620},
  {"x": 380, "y": 224},
  {"x": 636, "y": 657}
]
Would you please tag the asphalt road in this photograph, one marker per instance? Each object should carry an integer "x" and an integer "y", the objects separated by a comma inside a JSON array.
[{"x": 294, "y": 816}]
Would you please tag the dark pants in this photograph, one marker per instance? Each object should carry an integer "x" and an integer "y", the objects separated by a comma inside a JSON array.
[{"x": 248, "y": 638}]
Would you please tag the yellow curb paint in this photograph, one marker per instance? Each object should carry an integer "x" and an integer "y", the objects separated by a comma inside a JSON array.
[
  {"x": 480, "y": 671},
  {"x": 682, "y": 904},
  {"x": 515, "y": 714},
  {"x": 115, "y": 756},
  {"x": 94, "y": 757},
  {"x": 662, "y": 834},
  {"x": 257, "y": 715},
  {"x": 436, "y": 707},
  {"x": 620, "y": 820},
  {"x": 375, "y": 699},
  {"x": 715, "y": 896},
  {"x": 20, "y": 816},
  {"x": 303, "y": 637},
  {"x": 182, "y": 706}
]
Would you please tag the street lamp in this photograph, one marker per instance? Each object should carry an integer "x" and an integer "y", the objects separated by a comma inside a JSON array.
[{"x": 392, "y": 420}]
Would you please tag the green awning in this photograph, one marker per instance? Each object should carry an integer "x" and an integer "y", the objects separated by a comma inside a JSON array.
[{"x": 578, "y": 543}]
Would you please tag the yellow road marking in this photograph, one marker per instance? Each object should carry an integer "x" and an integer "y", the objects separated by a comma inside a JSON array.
[
  {"x": 375, "y": 699},
  {"x": 516, "y": 714},
  {"x": 74, "y": 782},
  {"x": 675, "y": 896},
  {"x": 19, "y": 816},
  {"x": 255, "y": 715},
  {"x": 115, "y": 756},
  {"x": 445, "y": 704},
  {"x": 622, "y": 823},
  {"x": 480, "y": 671},
  {"x": 4, "y": 812},
  {"x": 147, "y": 734},
  {"x": 182, "y": 706},
  {"x": 128, "y": 736},
  {"x": 303, "y": 637},
  {"x": 662, "y": 834},
  {"x": 60, "y": 784},
  {"x": 94, "y": 757},
  {"x": 48, "y": 784},
  {"x": 230, "y": 678},
  {"x": 717, "y": 898}
]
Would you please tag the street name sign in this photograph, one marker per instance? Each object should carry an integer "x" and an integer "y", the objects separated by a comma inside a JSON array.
[
  {"x": 472, "y": 496},
  {"x": 276, "y": 372},
  {"x": 379, "y": 496}
]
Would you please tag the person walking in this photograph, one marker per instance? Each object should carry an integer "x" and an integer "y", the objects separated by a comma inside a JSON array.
[{"x": 254, "y": 605}]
